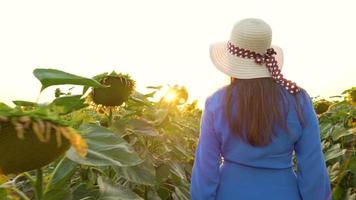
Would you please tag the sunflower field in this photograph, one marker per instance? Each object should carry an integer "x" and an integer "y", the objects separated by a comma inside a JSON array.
[{"x": 112, "y": 142}]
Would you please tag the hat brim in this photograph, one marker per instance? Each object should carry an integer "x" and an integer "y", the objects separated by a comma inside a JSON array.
[{"x": 238, "y": 67}]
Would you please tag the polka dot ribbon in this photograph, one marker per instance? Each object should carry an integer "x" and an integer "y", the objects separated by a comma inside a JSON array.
[{"x": 271, "y": 63}]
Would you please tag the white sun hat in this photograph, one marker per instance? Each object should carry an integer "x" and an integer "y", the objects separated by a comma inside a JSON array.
[{"x": 249, "y": 53}]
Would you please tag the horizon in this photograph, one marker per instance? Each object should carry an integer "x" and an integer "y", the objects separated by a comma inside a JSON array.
[{"x": 163, "y": 45}]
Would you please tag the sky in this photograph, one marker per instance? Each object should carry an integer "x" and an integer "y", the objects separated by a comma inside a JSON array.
[{"x": 160, "y": 42}]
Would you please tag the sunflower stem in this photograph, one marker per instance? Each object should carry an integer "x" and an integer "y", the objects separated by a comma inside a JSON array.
[
  {"x": 110, "y": 117},
  {"x": 30, "y": 178},
  {"x": 20, "y": 193},
  {"x": 39, "y": 184}
]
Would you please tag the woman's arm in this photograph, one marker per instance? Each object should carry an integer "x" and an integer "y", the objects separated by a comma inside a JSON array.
[
  {"x": 312, "y": 174},
  {"x": 205, "y": 174}
]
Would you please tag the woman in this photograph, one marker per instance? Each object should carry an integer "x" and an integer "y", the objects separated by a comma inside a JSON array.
[{"x": 251, "y": 127}]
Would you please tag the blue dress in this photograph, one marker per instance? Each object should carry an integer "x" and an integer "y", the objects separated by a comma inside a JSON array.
[{"x": 255, "y": 173}]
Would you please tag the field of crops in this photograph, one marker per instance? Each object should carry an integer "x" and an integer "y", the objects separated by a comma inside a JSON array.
[{"x": 116, "y": 143}]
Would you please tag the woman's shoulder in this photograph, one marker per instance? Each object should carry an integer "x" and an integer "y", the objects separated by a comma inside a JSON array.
[
  {"x": 303, "y": 96},
  {"x": 215, "y": 99}
]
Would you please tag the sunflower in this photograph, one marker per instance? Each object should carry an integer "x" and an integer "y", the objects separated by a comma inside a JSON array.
[
  {"x": 30, "y": 141},
  {"x": 322, "y": 106},
  {"x": 120, "y": 87},
  {"x": 351, "y": 96}
]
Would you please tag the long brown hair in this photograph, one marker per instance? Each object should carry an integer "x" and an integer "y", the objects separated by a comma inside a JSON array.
[{"x": 260, "y": 105}]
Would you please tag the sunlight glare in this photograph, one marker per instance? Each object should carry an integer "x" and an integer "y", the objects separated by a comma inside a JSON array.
[{"x": 170, "y": 96}]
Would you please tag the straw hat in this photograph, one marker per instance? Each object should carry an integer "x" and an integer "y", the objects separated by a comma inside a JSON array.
[
  {"x": 249, "y": 54},
  {"x": 252, "y": 34}
]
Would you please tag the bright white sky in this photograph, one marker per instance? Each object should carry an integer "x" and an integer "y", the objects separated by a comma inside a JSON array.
[{"x": 166, "y": 42}]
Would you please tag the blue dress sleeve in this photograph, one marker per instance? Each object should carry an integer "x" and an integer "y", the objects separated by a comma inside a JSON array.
[
  {"x": 312, "y": 174},
  {"x": 205, "y": 173}
]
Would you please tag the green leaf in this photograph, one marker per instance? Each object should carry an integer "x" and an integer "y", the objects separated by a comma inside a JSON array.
[
  {"x": 178, "y": 170},
  {"x": 4, "y": 107},
  {"x": 68, "y": 104},
  {"x": 84, "y": 192},
  {"x": 163, "y": 172},
  {"x": 182, "y": 150},
  {"x": 105, "y": 149},
  {"x": 153, "y": 195},
  {"x": 143, "y": 127},
  {"x": 164, "y": 193},
  {"x": 155, "y": 87},
  {"x": 143, "y": 173},
  {"x": 342, "y": 132},
  {"x": 115, "y": 192},
  {"x": 151, "y": 94},
  {"x": 62, "y": 174},
  {"x": 63, "y": 194},
  {"x": 49, "y": 77},
  {"x": 334, "y": 152},
  {"x": 338, "y": 192},
  {"x": 139, "y": 99},
  {"x": 25, "y": 103},
  {"x": 160, "y": 116},
  {"x": 325, "y": 130},
  {"x": 3, "y": 193},
  {"x": 181, "y": 193}
]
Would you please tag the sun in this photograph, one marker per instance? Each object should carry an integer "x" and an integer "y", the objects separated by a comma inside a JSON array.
[
  {"x": 175, "y": 95},
  {"x": 170, "y": 96}
]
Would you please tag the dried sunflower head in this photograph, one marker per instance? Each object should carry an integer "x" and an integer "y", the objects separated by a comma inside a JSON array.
[
  {"x": 352, "y": 96},
  {"x": 322, "y": 106},
  {"x": 28, "y": 142},
  {"x": 119, "y": 89}
]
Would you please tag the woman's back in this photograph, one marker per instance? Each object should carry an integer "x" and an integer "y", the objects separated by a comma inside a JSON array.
[
  {"x": 275, "y": 155},
  {"x": 255, "y": 124},
  {"x": 250, "y": 172}
]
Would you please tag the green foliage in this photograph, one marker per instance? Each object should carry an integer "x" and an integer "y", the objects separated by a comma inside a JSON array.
[
  {"x": 104, "y": 149},
  {"x": 145, "y": 149},
  {"x": 68, "y": 104},
  {"x": 338, "y": 131},
  {"x": 49, "y": 77},
  {"x": 109, "y": 191}
]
